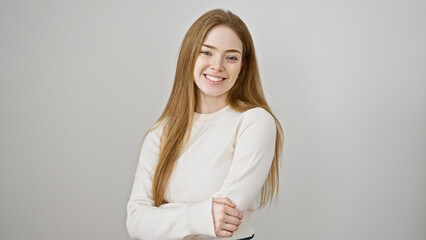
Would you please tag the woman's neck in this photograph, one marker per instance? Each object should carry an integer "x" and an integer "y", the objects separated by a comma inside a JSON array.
[{"x": 210, "y": 105}]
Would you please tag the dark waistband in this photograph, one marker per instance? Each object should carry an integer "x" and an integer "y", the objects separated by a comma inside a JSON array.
[{"x": 247, "y": 238}]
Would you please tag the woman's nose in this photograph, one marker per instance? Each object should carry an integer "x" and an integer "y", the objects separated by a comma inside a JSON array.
[{"x": 217, "y": 64}]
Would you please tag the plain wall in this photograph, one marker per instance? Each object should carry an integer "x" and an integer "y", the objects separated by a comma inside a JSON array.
[{"x": 82, "y": 81}]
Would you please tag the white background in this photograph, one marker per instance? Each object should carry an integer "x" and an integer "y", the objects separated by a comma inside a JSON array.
[{"x": 82, "y": 81}]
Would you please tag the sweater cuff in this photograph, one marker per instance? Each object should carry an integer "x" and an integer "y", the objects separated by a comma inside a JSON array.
[{"x": 200, "y": 218}]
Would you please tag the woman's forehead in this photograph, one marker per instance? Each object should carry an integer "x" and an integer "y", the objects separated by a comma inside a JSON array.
[{"x": 223, "y": 38}]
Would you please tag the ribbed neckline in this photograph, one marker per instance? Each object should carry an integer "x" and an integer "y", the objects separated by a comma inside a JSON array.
[{"x": 211, "y": 116}]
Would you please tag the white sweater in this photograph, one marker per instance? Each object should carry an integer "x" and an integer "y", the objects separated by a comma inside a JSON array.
[{"x": 229, "y": 154}]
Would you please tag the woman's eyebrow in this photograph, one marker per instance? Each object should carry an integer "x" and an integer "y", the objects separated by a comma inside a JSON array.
[{"x": 229, "y": 50}]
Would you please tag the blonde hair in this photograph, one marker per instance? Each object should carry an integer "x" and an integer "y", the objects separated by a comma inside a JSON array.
[{"x": 177, "y": 116}]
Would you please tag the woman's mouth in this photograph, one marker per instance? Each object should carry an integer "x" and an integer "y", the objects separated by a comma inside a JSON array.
[{"x": 213, "y": 79}]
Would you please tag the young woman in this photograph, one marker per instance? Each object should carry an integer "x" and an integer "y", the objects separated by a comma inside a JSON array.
[{"x": 213, "y": 155}]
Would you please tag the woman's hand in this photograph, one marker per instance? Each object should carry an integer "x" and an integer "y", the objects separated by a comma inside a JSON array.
[{"x": 226, "y": 218}]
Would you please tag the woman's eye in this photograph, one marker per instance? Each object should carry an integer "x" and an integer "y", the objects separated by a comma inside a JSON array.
[
  {"x": 233, "y": 58},
  {"x": 206, "y": 53}
]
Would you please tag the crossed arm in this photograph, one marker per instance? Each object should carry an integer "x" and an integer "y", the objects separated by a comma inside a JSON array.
[{"x": 253, "y": 155}]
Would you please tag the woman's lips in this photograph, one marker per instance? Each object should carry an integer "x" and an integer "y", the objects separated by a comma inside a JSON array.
[
  {"x": 214, "y": 78},
  {"x": 214, "y": 75}
]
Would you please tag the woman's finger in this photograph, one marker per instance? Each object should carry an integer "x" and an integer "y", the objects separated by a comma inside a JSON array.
[
  {"x": 225, "y": 201},
  {"x": 229, "y": 203},
  {"x": 229, "y": 227},
  {"x": 224, "y": 233},
  {"x": 233, "y": 212},
  {"x": 232, "y": 220}
]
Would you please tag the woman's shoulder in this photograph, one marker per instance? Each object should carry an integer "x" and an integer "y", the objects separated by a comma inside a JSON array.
[
  {"x": 257, "y": 115},
  {"x": 153, "y": 134},
  {"x": 258, "y": 112},
  {"x": 256, "y": 123}
]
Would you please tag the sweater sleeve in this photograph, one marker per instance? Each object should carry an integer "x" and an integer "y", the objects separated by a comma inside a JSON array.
[
  {"x": 253, "y": 155},
  {"x": 168, "y": 221}
]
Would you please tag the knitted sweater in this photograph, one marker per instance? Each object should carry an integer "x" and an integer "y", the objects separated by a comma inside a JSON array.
[{"x": 229, "y": 154}]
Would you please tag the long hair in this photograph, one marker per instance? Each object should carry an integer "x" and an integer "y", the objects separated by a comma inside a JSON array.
[{"x": 177, "y": 116}]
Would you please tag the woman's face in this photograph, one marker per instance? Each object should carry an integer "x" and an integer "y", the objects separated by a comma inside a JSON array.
[{"x": 218, "y": 63}]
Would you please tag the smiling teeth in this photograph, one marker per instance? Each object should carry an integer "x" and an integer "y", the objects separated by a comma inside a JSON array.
[{"x": 214, "y": 78}]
